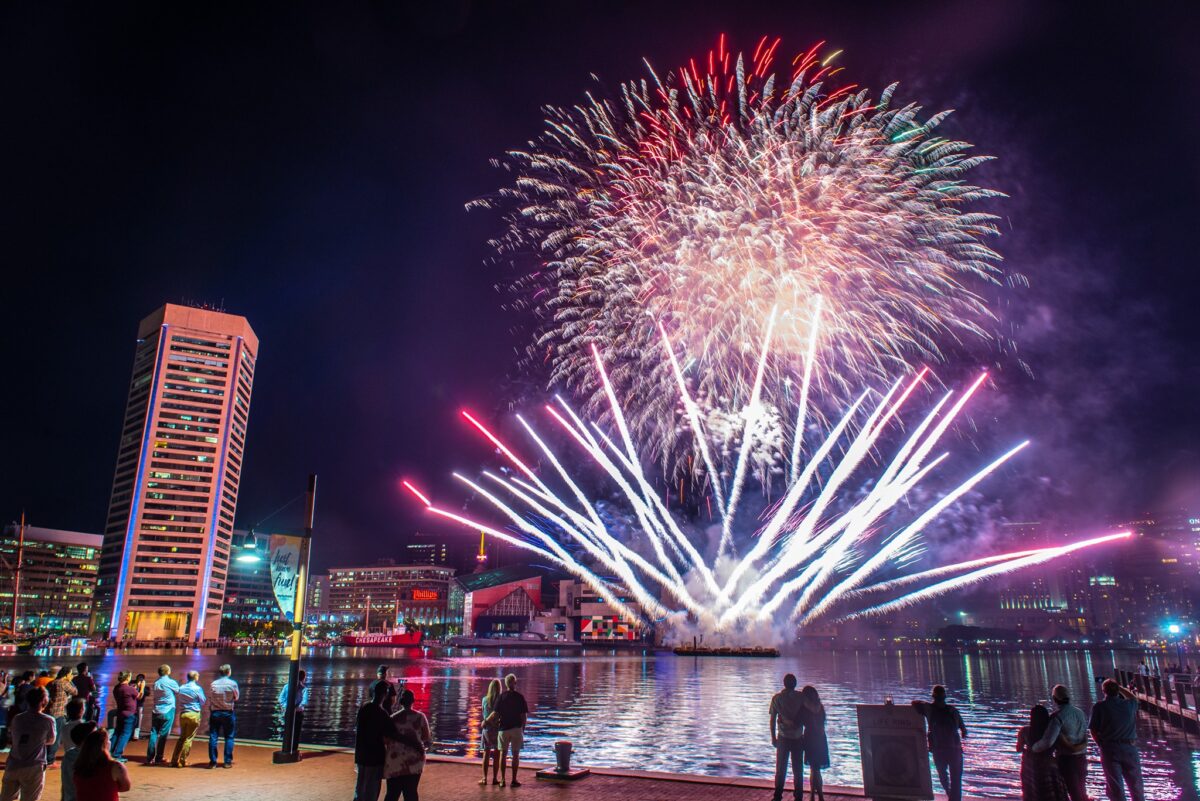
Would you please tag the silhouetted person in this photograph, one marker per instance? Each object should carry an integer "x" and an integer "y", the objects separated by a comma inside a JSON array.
[
  {"x": 86, "y": 686},
  {"x": 162, "y": 715},
  {"x": 75, "y": 739},
  {"x": 301, "y": 704},
  {"x": 489, "y": 732},
  {"x": 1113, "y": 726},
  {"x": 31, "y": 731},
  {"x": 189, "y": 705},
  {"x": 389, "y": 700},
  {"x": 373, "y": 724},
  {"x": 99, "y": 776},
  {"x": 1040, "y": 780},
  {"x": 1067, "y": 735},
  {"x": 223, "y": 695},
  {"x": 513, "y": 713},
  {"x": 405, "y": 758},
  {"x": 946, "y": 733},
  {"x": 787, "y": 737},
  {"x": 816, "y": 745},
  {"x": 61, "y": 690},
  {"x": 125, "y": 705}
]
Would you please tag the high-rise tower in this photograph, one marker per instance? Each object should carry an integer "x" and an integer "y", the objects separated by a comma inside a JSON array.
[{"x": 165, "y": 559}]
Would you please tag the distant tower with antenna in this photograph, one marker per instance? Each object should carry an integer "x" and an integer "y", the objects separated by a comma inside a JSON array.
[{"x": 481, "y": 557}]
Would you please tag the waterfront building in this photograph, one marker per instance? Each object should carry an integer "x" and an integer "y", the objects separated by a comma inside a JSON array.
[
  {"x": 250, "y": 605},
  {"x": 57, "y": 581},
  {"x": 502, "y": 602},
  {"x": 165, "y": 559},
  {"x": 1156, "y": 574},
  {"x": 384, "y": 595},
  {"x": 317, "y": 608},
  {"x": 589, "y": 617},
  {"x": 426, "y": 553}
]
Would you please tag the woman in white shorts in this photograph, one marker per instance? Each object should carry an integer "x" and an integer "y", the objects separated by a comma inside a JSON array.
[{"x": 489, "y": 731}]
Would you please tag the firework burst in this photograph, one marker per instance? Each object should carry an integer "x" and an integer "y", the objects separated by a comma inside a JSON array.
[
  {"x": 702, "y": 200},
  {"x": 821, "y": 554}
]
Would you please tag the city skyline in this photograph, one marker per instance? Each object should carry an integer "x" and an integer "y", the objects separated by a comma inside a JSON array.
[{"x": 355, "y": 272}]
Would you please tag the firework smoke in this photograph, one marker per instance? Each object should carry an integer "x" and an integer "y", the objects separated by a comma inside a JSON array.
[{"x": 818, "y": 556}]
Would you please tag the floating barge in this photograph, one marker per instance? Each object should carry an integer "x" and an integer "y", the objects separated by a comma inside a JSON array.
[{"x": 704, "y": 650}]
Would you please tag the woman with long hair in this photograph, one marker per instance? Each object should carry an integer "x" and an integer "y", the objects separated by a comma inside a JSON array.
[
  {"x": 99, "y": 777},
  {"x": 489, "y": 732},
  {"x": 816, "y": 745},
  {"x": 1040, "y": 780}
]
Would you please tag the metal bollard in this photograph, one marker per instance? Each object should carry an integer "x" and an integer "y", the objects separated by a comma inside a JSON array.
[{"x": 562, "y": 756}]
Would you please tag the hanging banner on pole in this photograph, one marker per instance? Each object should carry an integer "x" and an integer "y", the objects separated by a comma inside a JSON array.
[{"x": 285, "y": 572}]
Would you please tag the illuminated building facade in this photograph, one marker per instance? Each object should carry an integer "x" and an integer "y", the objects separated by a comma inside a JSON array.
[
  {"x": 58, "y": 579},
  {"x": 592, "y": 618},
  {"x": 504, "y": 601},
  {"x": 165, "y": 560},
  {"x": 317, "y": 608},
  {"x": 1128, "y": 593},
  {"x": 426, "y": 553},
  {"x": 249, "y": 594},
  {"x": 384, "y": 595},
  {"x": 1156, "y": 575}
]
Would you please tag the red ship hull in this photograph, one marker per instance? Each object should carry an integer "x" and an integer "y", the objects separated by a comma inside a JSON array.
[{"x": 392, "y": 640}]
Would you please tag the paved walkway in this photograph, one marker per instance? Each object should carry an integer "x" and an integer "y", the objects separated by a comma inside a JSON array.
[{"x": 328, "y": 775}]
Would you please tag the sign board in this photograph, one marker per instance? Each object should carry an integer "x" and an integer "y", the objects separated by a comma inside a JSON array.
[
  {"x": 895, "y": 757},
  {"x": 424, "y": 595},
  {"x": 285, "y": 572}
]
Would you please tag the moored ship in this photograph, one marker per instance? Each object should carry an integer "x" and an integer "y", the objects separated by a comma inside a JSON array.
[{"x": 398, "y": 637}]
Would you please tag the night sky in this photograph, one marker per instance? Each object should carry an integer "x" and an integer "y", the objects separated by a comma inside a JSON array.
[{"x": 307, "y": 165}]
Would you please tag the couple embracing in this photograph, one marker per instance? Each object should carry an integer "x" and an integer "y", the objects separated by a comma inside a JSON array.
[{"x": 798, "y": 733}]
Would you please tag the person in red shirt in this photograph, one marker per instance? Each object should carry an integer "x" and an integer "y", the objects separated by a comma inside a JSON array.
[
  {"x": 125, "y": 703},
  {"x": 98, "y": 775}
]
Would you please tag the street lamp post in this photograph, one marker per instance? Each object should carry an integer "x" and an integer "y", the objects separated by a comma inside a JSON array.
[{"x": 291, "y": 732}]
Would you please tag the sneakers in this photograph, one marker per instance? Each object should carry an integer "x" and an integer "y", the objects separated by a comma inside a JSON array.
[{"x": 228, "y": 765}]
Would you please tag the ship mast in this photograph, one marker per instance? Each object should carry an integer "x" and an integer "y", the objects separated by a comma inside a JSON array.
[{"x": 17, "y": 572}]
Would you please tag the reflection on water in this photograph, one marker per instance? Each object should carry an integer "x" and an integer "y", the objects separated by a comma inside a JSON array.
[{"x": 706, "y": 715}]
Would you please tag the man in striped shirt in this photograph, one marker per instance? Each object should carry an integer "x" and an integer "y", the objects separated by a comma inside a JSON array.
[{"x": 222, "y": 721}]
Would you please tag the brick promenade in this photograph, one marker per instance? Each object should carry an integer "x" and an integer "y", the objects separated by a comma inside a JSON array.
[{"x": 328, "y": 775}]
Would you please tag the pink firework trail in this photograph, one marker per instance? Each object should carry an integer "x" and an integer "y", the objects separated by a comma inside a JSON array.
[{"x": 818, "y": 557}]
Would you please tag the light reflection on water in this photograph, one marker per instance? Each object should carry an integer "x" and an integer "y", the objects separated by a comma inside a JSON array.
[{"x": 706, "y": 715}]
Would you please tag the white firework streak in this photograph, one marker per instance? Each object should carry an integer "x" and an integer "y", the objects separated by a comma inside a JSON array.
[
  {"x": 827, "y": 561},
  {"x": 699, "y": 199},
  {"x": 1036, "y": 557}
]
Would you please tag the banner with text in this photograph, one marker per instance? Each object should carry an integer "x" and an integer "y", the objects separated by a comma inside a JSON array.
[{"x": 285, "y": 571}]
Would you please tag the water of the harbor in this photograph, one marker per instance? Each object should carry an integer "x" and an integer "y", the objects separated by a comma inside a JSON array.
[{"x": 689, "y": 715}]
